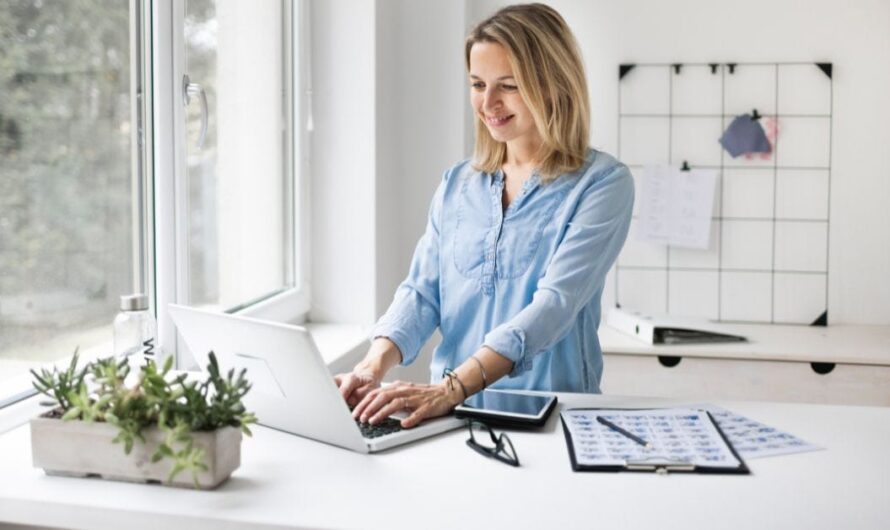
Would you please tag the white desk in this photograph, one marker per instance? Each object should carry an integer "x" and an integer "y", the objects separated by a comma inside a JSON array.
[
  {"x": 850, "y": 344},
  {"x": 285, "y": 481},
  {"x": 777, "y": 363}
]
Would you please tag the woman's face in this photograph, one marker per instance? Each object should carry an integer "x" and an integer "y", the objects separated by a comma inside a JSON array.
[{"x": 495, "y": 95}]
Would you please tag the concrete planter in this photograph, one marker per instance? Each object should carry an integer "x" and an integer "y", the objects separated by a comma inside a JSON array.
[{"x": 80, "y": 449}]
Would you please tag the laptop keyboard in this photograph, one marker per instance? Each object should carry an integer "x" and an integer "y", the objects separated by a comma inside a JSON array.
[{"x": 387, "y": 426}]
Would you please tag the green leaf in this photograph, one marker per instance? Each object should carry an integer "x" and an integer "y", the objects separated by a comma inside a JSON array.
[
  {"x": 72, "y": 367},
  {"x": 177, "y": 469},
  {"x": 71, "y": 414}
]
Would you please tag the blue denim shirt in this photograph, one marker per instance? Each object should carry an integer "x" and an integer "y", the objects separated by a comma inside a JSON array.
[{"x": 525, "y": 281}]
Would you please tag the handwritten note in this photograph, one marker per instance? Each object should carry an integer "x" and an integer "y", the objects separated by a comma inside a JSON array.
[{"x": 677, "y": 206}]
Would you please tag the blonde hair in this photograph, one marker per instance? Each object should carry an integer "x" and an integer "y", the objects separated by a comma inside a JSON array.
[{"x": 549, "y": 72}]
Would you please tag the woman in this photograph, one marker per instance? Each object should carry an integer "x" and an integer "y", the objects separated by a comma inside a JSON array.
[{"x": 518, "y": 243}]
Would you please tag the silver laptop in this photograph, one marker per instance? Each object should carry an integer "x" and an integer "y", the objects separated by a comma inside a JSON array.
[{"x": 292, "y": 390}]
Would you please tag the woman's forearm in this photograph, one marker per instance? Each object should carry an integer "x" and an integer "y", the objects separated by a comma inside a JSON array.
[
  {"x": 490, "y": 367},
  {"x": 382, "y": 356}
]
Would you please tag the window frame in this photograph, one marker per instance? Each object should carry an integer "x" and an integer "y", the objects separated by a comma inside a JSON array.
[
  {"x": 157, "y": 194},
  {"x": 169, "y": 240},
  {"x": 19, "y": 388}
]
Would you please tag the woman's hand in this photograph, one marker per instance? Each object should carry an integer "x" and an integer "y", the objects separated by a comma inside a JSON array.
[
  {"x": 422, "y": 401},
  {"x": 356, "y": 384},
  {"x": 366, "y": 376}
]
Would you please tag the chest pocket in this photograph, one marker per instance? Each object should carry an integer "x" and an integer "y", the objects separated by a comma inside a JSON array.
[
  {"x": 476, "y": 241},
  {"x": 522, "y": 229}
]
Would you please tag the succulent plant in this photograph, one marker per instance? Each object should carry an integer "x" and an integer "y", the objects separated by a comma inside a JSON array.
[{"x": 99, "y": 392}]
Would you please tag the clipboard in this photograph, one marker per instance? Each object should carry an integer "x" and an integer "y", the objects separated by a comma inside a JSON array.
[{"x": 683, "y": 440}]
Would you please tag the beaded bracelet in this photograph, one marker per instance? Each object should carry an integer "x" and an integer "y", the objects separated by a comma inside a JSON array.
[
  {"x": 453, "y": 376},
  {"x": 481, "y": 369}
]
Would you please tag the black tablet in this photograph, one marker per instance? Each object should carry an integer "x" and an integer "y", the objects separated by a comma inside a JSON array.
[{"x": 500, "y": 407}]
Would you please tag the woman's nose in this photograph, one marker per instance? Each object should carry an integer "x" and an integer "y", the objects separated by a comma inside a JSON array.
[{"x": 492, "y": 101}]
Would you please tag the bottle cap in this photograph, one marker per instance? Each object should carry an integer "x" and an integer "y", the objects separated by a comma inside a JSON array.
[{"x": 134, "y": 302}]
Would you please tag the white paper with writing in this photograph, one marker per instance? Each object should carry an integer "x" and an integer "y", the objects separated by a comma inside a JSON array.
[{"x": 676, "y": 206}]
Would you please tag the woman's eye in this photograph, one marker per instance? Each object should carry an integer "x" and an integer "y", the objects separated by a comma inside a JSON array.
[
  {"x": 478, "y": 86},
  {"x": 510, "y": 88}
]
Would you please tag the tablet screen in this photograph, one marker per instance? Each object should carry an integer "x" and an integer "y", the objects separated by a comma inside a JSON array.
[{"x": 508, "y": 402}]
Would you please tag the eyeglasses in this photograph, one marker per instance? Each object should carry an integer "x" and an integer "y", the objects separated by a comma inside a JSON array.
[{"x": 483, "y": 441}]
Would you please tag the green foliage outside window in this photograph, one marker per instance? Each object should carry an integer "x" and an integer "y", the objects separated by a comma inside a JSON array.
[{"x": 65, "y": 166}]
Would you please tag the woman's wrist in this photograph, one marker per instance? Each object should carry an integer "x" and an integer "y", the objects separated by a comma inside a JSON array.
[
  {"x": 478, "y": 372},
  {"x": 453, "y": 394},
  {"x": 381, "y": 357}
]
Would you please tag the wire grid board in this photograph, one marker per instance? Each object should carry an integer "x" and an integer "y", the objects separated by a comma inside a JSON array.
[{"x": 767, "y": 259}]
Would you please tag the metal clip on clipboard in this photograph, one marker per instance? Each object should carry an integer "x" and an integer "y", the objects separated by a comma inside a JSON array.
[{"x": 660, "y": 465}]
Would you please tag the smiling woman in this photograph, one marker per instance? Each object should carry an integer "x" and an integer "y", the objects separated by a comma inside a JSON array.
[
  {"x": 535, "y": 71},
  {"x": 496, "y": 99},
  {"x": 519, "y": 239}
]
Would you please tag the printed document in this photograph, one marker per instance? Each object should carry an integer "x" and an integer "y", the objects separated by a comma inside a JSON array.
[
  {"x": 677, "y": 436},
  {"x": 752, "y": 439}
]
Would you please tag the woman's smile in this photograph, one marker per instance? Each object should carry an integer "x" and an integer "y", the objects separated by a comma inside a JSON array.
[{"x": 498, "y": 121}]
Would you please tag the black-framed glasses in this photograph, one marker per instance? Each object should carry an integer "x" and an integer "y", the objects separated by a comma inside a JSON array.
[{"x": 483, "y": 440}]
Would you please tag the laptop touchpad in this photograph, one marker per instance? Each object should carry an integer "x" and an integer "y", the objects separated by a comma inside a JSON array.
[{"x": 259, "y": 373}]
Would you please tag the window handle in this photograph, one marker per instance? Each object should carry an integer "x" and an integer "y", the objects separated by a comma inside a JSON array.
[{"x": 190, "y": 90}]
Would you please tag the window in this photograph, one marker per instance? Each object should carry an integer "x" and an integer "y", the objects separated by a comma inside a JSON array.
[
  {"x": 145, "y": 146},
  {"x": 238, "y": 154},
  {"x": 66, "y": 180}
]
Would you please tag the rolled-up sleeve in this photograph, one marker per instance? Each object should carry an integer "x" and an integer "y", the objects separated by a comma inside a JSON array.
[
  {"x": 414, "y": 312},
  {"x": 591, "y": 243}
]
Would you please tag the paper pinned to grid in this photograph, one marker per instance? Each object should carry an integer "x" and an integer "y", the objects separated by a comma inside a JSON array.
[{"x": 676, "y": 206}]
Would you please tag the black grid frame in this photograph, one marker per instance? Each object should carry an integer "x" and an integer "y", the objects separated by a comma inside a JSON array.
[{"x": 722, "y": 268}]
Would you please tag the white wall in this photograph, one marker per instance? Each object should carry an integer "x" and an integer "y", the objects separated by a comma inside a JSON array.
[
  {"x": 388, "y": 97},
  {"x": 390, "y": 109},
  {"x": 855, "y": 36},
  {"x": 420, "y": 88},
  {"x": 343, "y": 161},
  {"x": 420, "y": 132}
]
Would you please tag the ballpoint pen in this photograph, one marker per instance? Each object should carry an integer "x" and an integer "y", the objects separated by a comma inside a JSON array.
[{"x": 628, "y": 434}]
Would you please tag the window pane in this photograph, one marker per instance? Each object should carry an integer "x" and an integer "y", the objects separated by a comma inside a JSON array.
[
  {"x": 66, "y": 234},
  {"x": 239, "y": 179}
]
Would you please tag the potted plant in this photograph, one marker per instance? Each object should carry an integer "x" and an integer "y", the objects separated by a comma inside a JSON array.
[{"x": 165, "y": 424}]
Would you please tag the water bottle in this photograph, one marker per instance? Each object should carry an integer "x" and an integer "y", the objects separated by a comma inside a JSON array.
[{"x": 135, "y": 333}]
